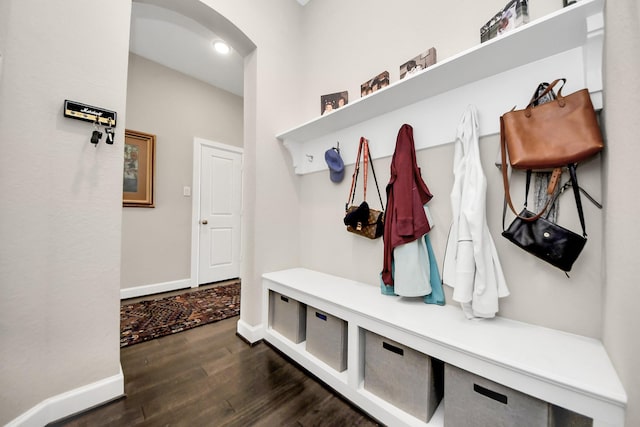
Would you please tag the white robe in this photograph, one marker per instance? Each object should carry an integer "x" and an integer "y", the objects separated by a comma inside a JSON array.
[{"x": 471, "y": 264}]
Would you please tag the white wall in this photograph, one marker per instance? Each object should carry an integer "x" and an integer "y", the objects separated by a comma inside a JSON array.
[
  {"x": 622, "y": 108},
  {"x": 60, "y": 221},
  {"x": 540, "y": 294},
  {"x": 272, "y": 100},
  {"x": 348, "y": 43},
  {"x": 368, "y": 40},
  {"x": 337, "y": 58},
  {"x": 61, "y": 198},
  {"x": 156, "y": 243}
]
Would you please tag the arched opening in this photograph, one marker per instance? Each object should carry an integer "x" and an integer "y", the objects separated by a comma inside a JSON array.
[
  {"x": 191, "y": 14},
  {"x": 209, "y": 18}
]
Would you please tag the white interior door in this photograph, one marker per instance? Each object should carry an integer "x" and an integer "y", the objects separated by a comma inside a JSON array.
[{"x": 220, "y": 214}]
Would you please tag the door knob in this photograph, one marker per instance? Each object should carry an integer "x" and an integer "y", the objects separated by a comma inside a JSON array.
[{"x": 204, "y": 222}]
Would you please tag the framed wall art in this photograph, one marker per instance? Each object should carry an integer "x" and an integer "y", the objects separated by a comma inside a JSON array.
[{"x": 139, "y": 165}]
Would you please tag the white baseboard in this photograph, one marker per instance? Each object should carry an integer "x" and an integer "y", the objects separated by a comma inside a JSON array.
[
  {"x": 250, "y": 333},
  {"x": 156, "y": 288},
  {"x": 72, "y": 402}
]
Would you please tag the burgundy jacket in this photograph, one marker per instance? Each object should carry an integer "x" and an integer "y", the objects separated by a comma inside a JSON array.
[{"x": 405, "y": 220}]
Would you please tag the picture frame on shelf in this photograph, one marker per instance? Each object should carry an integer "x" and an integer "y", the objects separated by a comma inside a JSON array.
[
  {"x": 333, "y": 101},
  {"x": 139, "y": 167},
  {"x": 513, "y": 15},
  {"x": 419, "y": 63},
  {"x": 378, "y": 82}
]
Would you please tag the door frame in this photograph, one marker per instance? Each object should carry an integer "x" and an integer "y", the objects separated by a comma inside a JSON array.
[{"x": 198, "y": 143}]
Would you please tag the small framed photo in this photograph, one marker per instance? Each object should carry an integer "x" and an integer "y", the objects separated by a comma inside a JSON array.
[
  {"x": 378, "y": 82},
  {"x": 333, "y": 101},
  {"x": 139, "y": 165},
  {"x": 418, "y": 63},
  {"x": 514, "y": 14}
]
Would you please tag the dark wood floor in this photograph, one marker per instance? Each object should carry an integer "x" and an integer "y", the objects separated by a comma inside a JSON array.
[{"x": 207, "y": 376}]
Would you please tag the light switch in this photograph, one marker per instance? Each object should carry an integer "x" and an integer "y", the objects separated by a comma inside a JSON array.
[{"x": 186, "y": 191}]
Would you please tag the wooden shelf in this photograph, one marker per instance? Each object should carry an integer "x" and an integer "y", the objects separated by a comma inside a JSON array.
[
  {"x": 568, "y": 370},
  {"x": 576, "y": 26}
]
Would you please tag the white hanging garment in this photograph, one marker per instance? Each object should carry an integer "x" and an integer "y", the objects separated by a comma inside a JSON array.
[{"x": 471, "y": 264}]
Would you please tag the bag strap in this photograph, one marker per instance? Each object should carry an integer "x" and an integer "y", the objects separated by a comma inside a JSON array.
[
  {"x": 576, "y": 194},
  {"x": 354, "y": 178},
  {"x": 573, "y": 181},
  {"x": 549, "y": 88},
  {"x": 374, "y": 177},
  {"x": 365, "y": 162},
  {"x": 555, "y": 177},
  {"x": 589, "y": 197},
  {"x": 364, "y": 153}
]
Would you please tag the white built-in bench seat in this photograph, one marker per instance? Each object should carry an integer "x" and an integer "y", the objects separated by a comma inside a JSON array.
[{"x": 570, "y": 371}]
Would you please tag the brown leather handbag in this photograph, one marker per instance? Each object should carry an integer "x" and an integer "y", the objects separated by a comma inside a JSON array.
[{"x": 551, "y": 135}]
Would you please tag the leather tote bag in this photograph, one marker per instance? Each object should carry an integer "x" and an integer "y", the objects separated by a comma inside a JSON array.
[{"x": 552, "y": 134}]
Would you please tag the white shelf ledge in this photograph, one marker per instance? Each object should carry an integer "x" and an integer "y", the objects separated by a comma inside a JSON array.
[
  {"x": 579, "y": 26},
  {"x": 571, "y": 371}
]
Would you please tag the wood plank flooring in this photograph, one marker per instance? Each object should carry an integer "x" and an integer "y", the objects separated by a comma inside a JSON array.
[{"x": 207, "y": 376}]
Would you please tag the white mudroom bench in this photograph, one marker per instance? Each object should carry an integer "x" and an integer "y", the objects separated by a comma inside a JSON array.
[{"x": 567, "y": 370}]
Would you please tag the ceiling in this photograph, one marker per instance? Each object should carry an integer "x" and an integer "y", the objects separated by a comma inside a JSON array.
[{"x": 182, "y": 44}]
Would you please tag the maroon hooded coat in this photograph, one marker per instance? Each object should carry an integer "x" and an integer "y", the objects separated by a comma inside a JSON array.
[{"x": 405, "y": 219}]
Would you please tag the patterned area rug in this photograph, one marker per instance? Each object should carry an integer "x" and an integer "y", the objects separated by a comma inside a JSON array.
[{"x": 146, "y": 320}]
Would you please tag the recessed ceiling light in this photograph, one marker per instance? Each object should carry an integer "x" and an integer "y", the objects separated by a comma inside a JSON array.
[{"x": 221, "y": 47}]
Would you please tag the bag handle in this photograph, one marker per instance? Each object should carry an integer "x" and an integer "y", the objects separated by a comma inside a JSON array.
[
  {"x": 576, "y": 194},
  {"x": 555, "y": 177},
  {"x": 365, "y": 154},
  {"x": 584, "y": 193},
  {"x": 354, "y": 178},
  {"x": 374, "y": 176},
  {"x": 573, "y": 181},
  {"x": 548, "y": 89}
]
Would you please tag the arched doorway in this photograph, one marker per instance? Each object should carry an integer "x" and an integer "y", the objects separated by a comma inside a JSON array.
[{"x": 204, "y": 15}]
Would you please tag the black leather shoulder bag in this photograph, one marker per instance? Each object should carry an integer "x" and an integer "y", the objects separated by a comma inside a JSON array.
[{"x": 547, "y": 240}]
